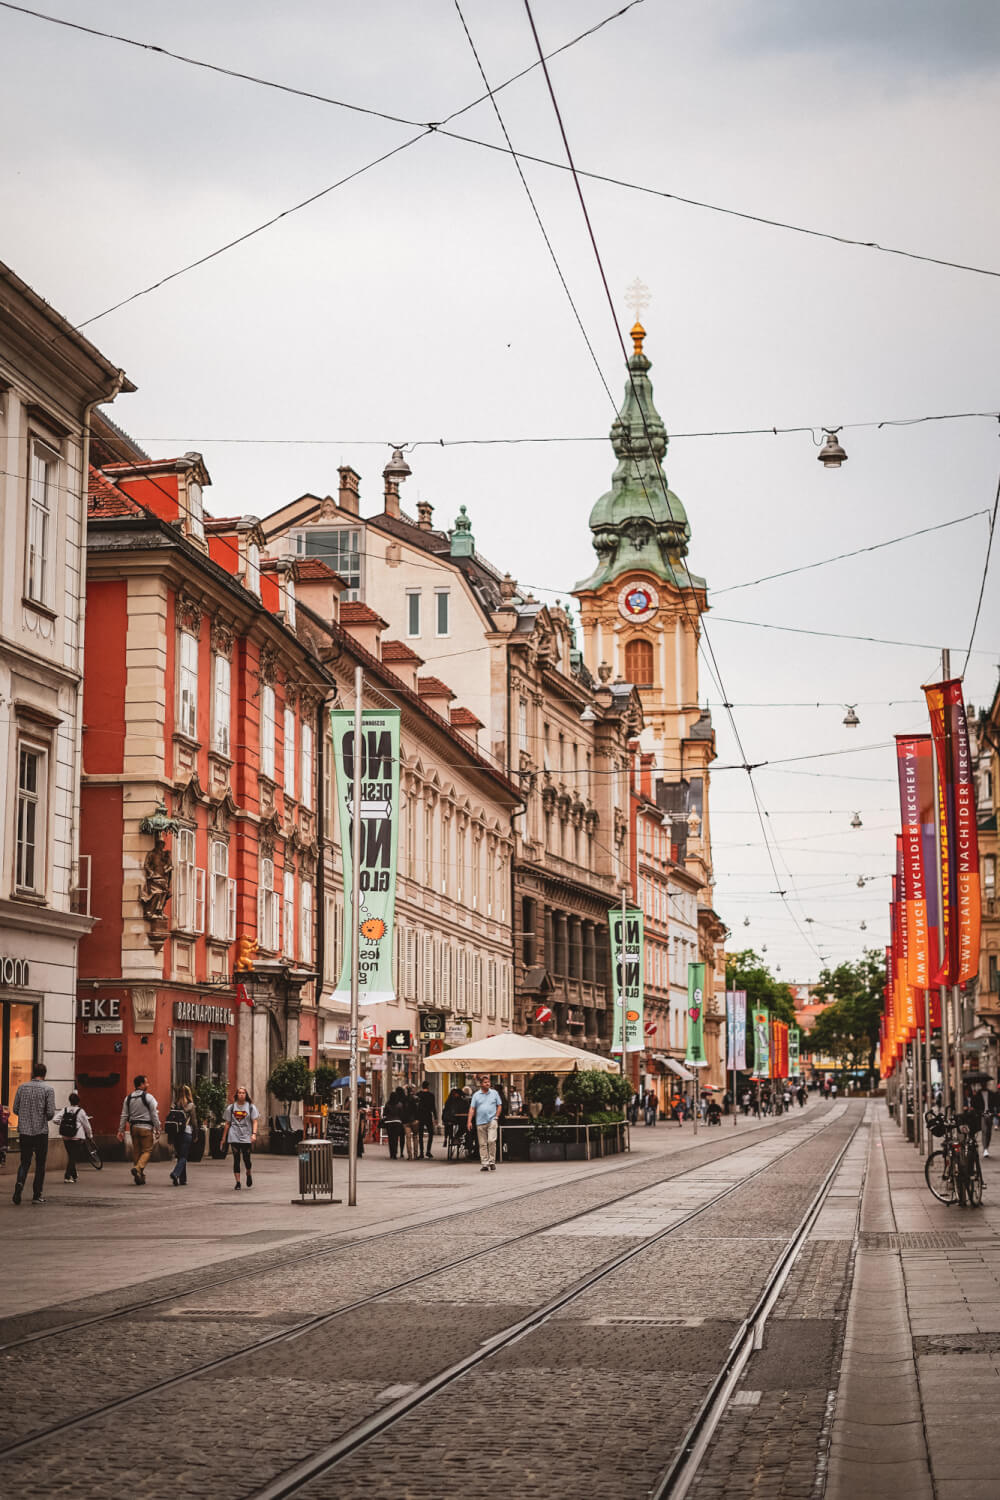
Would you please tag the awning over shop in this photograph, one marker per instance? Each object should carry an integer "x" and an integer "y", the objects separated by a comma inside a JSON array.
[
  {"x": 510, "y": 1052},
  {"x": 675, "y": 1067}
]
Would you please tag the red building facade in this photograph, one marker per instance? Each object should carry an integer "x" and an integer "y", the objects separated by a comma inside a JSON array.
[{"x": 200, "y": 804}]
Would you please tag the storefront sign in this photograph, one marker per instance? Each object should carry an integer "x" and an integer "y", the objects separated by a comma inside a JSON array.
[
  {"x": 98, "y": 1008},
  {"x": 379, "y": 817},
  {"x": 457, "y": 1032},
  {"x": 103, "y": 1028},
  {"x": 399, "y": 1041},
  {"x": 194, "y": 1010},
  {"x": 376, "y": 1046},
  {"x": 14, "y": 973},
  {"x": 431, "y": 1024}
]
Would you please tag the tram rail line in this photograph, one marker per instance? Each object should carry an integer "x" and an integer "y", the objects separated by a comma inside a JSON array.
[
  {"x": 380, "y": 1421},
  {"x": 251, "y": 1271},
  {"x": 297, "y": 1479}
]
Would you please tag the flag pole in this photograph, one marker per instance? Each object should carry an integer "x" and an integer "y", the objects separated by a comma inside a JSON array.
[{"x": 352, "y": 1145}]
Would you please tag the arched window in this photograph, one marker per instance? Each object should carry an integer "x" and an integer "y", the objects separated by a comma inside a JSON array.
[{"x": 639, "y": 663}]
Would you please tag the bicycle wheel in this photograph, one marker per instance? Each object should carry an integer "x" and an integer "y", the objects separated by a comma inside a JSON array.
[
  {"x": 937, "y": 1171},
  {"x": 95, "y": 1157},
  {"x": 975, "y": 1183}
]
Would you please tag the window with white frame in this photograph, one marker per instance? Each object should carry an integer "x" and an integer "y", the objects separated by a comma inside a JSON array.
[
  {"x": 477, "y": 865},
  {"x": 445, "y": 997},
  {"x": 429, "y": 989},
  {"x": 41, "y": 531},
  {"x": 427, "y": 874},
  {"x": 221, "y": 704},
  {"x": 305, "y": 922},
  {"x": 187, "y": 685},
  {"x": 189, "y": 884},
  {"x": 522, "y": 724},
  {"x": 461, "y": 981},
  {"x": 413, "y": 612},
  {"x": 288, "y": 912},
  {"x": 445, "y": 849},
  {"x": 505, "y": 989},
  {"x": 268, "y": 910},
  {"x": 290, "y": 752},
  {"x": 441, "y": 598},
  {"x": 31, "y": 818},
  {"x": 329, "y": 811},
  {"x": 306, "y": 794},
  {"x": 222, "y": 894},
  {"x": 410, "y": 977},
  {"x": 340, "y": 549},
  {"x": 491, "y": 987},
  {"x": 331, "y": 963},
  {"x": 267, "y": 730},
  {"x": 476, "y": 961}
]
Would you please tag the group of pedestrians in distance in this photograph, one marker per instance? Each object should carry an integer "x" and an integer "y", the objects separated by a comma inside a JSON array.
[
  {"x": 410, "y": 1118},
  {"x": 35, "y": 1106}
]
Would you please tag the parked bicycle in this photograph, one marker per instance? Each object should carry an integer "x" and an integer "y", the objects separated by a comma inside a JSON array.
[{"x": 953, "y": 1171}]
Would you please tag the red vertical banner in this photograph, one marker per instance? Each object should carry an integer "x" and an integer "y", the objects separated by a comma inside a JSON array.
[
  {"x": 918, "y": 893},
  {"x": 907, "y": 997},
  {"x": 960, "y": 906},
  {"x": 890, "y": 1019}
]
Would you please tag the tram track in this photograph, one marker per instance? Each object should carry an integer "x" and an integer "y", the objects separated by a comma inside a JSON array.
[
  {"x": 299, "y": 1479},
  {"x": 344, "y": 1246},
  {"x": 804, "y": 1134}
]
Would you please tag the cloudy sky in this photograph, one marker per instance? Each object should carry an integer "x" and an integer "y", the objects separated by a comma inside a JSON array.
[{"x": 418, "y": 302}]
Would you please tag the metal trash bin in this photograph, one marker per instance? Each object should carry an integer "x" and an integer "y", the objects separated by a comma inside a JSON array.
[{"x": 315, "y": 1173}]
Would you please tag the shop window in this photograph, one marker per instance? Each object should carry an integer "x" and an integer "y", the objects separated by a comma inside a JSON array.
[
  {"x": 18, "y": 1042},
  {"x": 183, "y": 1058},
  {"x": 220, "y": 1059}
]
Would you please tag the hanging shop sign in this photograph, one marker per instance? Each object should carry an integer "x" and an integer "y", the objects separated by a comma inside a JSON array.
[
  {"x": 435, "y": 1045},
  {"x": 627, "y": 977},
  {"x": 194, "y": 1010},
  {"x": 399, "y": 1041},
  {"x": 457, "y": 1032},
  {"x": 543, "y": 1013},
  {"x": 431, "y": 1025},
  {"x": 379, "y": 811},
  {"x": 695, "y": 1057},
  {"x": 376, "y": 1046},
  {"x": 736, "y": 1030}
]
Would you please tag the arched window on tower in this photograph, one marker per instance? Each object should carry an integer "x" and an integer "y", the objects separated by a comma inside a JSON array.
[{"x": 639, "y": 663}]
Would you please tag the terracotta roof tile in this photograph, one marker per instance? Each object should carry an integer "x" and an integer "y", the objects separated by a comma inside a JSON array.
[
  {"x": 105, "y": 499},
  {"x": 464, "y": 718},
  {"x": 433, "y": 687},
  {"x": 353, "y": 612},
  {"x": 315, "y": 570},
  {"x": 399, "y": 651}
]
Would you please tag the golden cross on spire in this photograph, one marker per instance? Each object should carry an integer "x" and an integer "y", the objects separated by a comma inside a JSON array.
[{"x": 637, "y": 297}]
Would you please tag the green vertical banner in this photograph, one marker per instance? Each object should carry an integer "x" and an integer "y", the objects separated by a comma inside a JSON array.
[
  {"x": 761, "y": 1042},
  {"x": 627, "y": 972},
  {"x": 793, "y": 1051},
  {"x": 695, "y": 1054},
  {"x": 379, "y": 752}
]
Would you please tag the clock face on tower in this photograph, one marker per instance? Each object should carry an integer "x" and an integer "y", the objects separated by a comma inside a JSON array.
[{"x": 638, "y": 601}]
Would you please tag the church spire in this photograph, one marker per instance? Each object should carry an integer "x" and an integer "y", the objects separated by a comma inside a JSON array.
[{"x": 639, "y": 524}]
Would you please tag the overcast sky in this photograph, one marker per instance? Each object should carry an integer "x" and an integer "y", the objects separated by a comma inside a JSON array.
[{"x": 419, "y": 302}]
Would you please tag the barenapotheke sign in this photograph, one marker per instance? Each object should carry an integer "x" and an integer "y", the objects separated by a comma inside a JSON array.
[{"x": 194, "y": 1010}]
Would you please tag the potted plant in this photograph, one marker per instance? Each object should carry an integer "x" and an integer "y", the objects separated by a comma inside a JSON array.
[
  {"x": 211, "y": 1098},
  {"x": 289, "y": 1082}
]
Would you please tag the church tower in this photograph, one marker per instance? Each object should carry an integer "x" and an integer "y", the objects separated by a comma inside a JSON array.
[{"x": 641, "y": 613}]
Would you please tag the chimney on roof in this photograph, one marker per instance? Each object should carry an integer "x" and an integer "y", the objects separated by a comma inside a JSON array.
[
  {"x": 349, "y": 498},
  {"x": 424, "y": 512},
  {"x": 395, "y": 471}
]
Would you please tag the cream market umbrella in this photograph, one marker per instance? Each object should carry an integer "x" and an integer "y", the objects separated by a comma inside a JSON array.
[{"x": 509, "y": 1052}]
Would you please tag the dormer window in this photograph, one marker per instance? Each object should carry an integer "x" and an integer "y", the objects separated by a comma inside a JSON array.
[
  {"x": 196, "y": 513},
  {"x": 253, "y": 568}
]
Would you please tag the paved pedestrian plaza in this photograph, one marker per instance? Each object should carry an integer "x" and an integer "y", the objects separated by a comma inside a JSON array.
[{"x": 778, "y": 1309}]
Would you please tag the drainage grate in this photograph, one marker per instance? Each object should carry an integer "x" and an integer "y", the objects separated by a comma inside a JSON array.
[
  {"x": 637, "y": 1321},
  {"x": 957, "y": 1343},
  {"x": 941, "y": 1239}
]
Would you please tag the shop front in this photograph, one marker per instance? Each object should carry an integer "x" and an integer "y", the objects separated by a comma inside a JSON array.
[
  {"x": 171, "y": 1035},
  {"x": 37, "y": 975}
]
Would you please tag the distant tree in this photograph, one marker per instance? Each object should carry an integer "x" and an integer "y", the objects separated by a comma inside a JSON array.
[{"x": 848, "y": 1029}]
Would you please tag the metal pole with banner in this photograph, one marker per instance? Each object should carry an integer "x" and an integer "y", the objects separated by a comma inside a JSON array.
[
  {"x": 736, "y": 1037},
  {"x": 694, "y": 1056},
  {"x": 366, "y": 757},
  {"x": 761, "y": 1043},
  {"x": 626, "y": 928}
]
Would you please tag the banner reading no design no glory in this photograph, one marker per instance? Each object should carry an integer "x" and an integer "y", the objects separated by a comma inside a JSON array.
[
  {"x": 379, "y": 803},
  {"x": 627, "y": 970}
]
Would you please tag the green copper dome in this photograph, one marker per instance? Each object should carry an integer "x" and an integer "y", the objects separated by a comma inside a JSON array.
[{"x": 639, "y": 523}]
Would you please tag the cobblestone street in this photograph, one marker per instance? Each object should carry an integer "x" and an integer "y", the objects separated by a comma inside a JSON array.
[{"x": 550, "y": 1332}]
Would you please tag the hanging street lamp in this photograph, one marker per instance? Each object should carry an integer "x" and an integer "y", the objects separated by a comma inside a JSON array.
[{"x": 831, "y": 455}]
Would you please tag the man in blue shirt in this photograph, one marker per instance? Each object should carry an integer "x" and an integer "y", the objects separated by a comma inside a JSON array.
[{"x": 485, "y": 1107}]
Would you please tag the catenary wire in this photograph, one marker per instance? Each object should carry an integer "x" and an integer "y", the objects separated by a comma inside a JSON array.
[
  {"x": 986, "y": 569},
  {"x": 440, "y": 128}
]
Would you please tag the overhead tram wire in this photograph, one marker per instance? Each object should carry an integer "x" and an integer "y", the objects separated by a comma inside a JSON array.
[
  {"x": 986, "y": 569},
  {"x": 440, "y": 129},
  {"x": 662, "y": 481}
]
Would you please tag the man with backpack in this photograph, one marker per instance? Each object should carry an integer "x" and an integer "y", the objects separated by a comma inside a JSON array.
[
  {"x": 74, "y": 1125},
  {"x": 140, "y": 1118}
]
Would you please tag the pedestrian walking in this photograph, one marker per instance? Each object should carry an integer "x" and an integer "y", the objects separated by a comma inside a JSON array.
[
  {"x": 456, "y": 1107},
  {"x": 74, "y": 1125},
  {"x": 239, "y": 1128},
  {"x": 650, "y": 1109},
  {"x": 410, "y": 1111},
  {"x": 393, "y": 1121},
  {"x": 484, "y": 1109},
  {"x": 140, "y": 1119},
  {"x": 35, "y": 1106},
  {"x": 184, "y": 1118},
  {"x": 984, "y": 1103},
  {"x": 426, "y": 1118}
]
